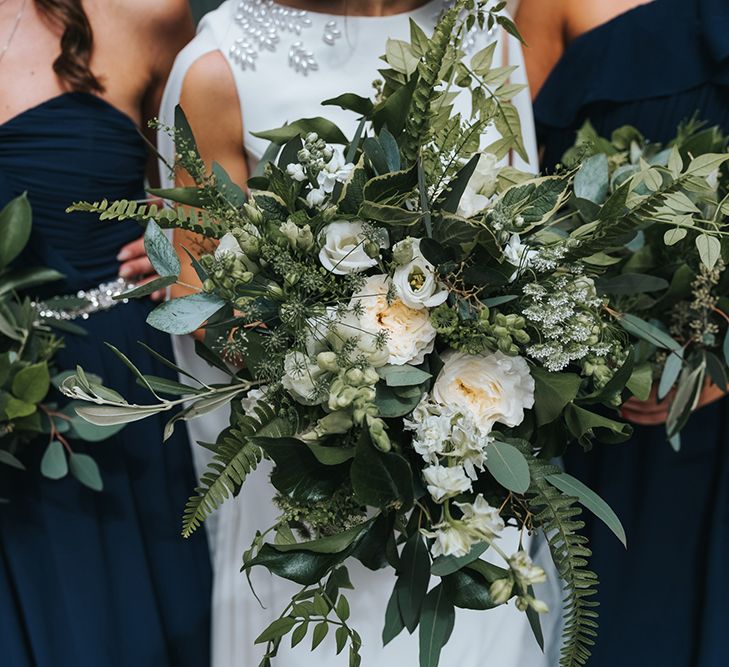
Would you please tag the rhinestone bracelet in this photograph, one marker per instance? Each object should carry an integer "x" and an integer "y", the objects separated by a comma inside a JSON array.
[{"x": 84, "y": 302}]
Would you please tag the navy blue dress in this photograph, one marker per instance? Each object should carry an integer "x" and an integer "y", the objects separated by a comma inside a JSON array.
[
  {"x": 666, "y": 600},
  {"x": 97, "y": 579}
]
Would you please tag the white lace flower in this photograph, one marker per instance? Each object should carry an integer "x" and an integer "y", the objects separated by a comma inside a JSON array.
[
  {"x": 443, "y": 483},
  {"x": 481, "y": 187},
  {"x": 416, "y": 281},
  {"x": 491, "y": 388},
  {"x": 410, "y": 335},
  {"x": 344, "y": 251}
]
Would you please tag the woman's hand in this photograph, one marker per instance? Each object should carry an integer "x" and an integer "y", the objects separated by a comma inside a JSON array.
[
  {"x": 136, "y": 265},
  {"x": 654, "y": 412}
]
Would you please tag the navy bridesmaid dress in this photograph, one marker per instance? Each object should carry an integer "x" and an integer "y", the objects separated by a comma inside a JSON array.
[
  {"x": 666, "y": 600},
  {"x": 96, "y": 579}
]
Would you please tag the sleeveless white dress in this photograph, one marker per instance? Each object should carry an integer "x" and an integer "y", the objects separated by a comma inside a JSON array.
[{"x": 285, "y": 62}]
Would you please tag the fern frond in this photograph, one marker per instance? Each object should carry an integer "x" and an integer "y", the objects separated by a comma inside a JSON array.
[
  {"x": 180, "y": 217},
  {"x": 235, "y": 458},
  {"x": 557, "y": 515}
]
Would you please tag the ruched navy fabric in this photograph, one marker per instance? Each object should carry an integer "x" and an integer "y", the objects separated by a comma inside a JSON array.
[
  {"x": 96, "y": 579},
  {"x": 664, "y": 601}
]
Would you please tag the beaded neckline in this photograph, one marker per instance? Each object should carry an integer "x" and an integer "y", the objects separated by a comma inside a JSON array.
[{"x": 265, "y": 24}]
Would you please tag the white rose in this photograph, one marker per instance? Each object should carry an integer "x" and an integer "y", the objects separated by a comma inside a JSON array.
[
  {"x": 410, "y": 335},
  {"x": 416, "y": 282},
  {"x": 450, "y": 540},
  {"x": 445, "y": 482},
  {"x": 519, "y": 255},
  {"x": 481, "y": 186},
  {"x": 343, "y": 251},
  {"x": 300, "y": 376},
  {"x": 491, "y": 388}
]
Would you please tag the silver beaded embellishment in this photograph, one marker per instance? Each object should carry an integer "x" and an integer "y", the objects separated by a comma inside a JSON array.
[
  {"x": 262, "y": 22},
  {"x": 331, "y": 32},
  {"x": 85, "y": 302}
]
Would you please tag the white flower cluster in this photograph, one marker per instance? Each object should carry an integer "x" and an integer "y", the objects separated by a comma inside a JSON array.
[
  {"x": 566, "y": 314},
  {"x": 322, "y": 163}
]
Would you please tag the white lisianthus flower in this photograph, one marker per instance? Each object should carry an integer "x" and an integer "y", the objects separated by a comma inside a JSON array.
[
  {"x": 519, "y": 255},
  {"x": 525, "y": 569},
  {"x": 296, "y": 171},
  {"x": 416, "y": 282},
  {"x": 344, "y": 251},
  {"x": 482, "y": 520},
  {"x": 491, "y": 388},
  {"x": 337, "y": 170},
  {"x": 450, "y": 540},
  {"x": 410, "y": 335},
  {"x": 300, "y": 376},
  {"x": 480, "y": 188},
  {"x": 444, "y": 483}
]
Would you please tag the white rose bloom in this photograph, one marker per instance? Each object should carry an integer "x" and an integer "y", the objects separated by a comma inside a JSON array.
[
  {"x": 343, "y": 251},
  {"x": 296, "y": 171},
  {"x": 445, "y": 482},
  {"x": 315, "y": 197},
  {"x": 519, "y": 255},
  {"x": 482, "y": 519},
  {"x": 410, "y": 335},
  {"x": 348, "y": 328},
  {"x": 480, "y": 188},
  {"x": 491, "y": 388},
  {"x": 416, "y": 281},
  {"x": 300, "y": 376},
  {"x": 450, "y": 540}
]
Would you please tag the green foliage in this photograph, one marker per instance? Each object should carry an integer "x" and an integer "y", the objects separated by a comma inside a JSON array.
[{"x": 235, "y": 458}]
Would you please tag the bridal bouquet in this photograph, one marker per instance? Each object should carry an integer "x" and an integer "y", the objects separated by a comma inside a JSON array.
[
  {"x": 665, "y": 269},
  {"x": 27, "y": 347},
  {"x": 414, "y": 340}
]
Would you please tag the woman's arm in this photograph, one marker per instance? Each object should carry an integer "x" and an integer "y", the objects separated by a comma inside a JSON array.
[
  {"x": 210, "y": 101},
  {"x": 542, "y": 24}
]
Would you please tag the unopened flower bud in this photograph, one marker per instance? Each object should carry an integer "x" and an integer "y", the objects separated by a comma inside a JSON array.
[
  {"x": 500, "y": 590},
  {"x": 354, "y": 376},
  {"x": 327, "y": 361}
]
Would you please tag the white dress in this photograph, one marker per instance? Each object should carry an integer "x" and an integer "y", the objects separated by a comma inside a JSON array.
[{"x": 285, "y": 62}]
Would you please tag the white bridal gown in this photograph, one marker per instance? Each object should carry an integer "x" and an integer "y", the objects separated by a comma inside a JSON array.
[{"x": 285, "y": 62}]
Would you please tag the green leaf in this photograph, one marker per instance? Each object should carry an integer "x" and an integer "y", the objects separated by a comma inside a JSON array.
[
  {"x": 592, "y": 181},
  {"x": 351, "y": 102},
  {"x": 394, "y": 624},
  {"x": 391, "y": 215},
  {"x": 709, "y": 248},
  {"x": 469, "y": 590},
  {"x": 23, "y": 279},
  {"x": 535, "y": 622},
  {"x": 403, "y": 376},
  {"x": 648, "y": 332},
  {"x": 631, "y": 283},
  {"x": 279, "y": 628},
  {"x": 319, "y": 634},
  {"x": 641, "y": 382},
  {"x": 380, "y": 478},
  {"x": 323, "y": 127},
  {"x": 400, "y": 56},
  {"x": 673, "y": 236},
  {"x": 342, "y": 635},
  {"x": 392, "y": 405},
  {"x": 85, "y": 470},
  {"x": 31, "y": 384},
  {"x": 229, "y": 190},
  {"x": 412, "y": 581},
  {"x": 192, "y": 196},
  {"x": 445, "y": 565},
  {"x": 53, "y": 464},
  {"x": 671, "y": 371},
  {"x": 148, "y": 288},
  {"x": 111, "y": 415},
  {"x": 552, "y": 392},
  {"x": 454, "y": 192},
  {"x": 482, "y": 60},
  {"x": 15, "y": 226},
  {"x": 508, "y": 466},
  {"x": 704, "y": 165},
  {"x": 6, "y": 458},
  {"x": 573, "y": 487},
  {"x": 15, "y": 408},
  {"x": 160, "y": 251},
  {"x": 186, "y": 314},
  {"x": 164, "y": 385},
  {"x": 331, "y": 544},
  {"x": 331, "y": 455},
  {"x": 299, "y": 633},
  {"x": 436, "y": 625},
  {"x": 584, "y": 424},
  {"x": 687, "y": 397}
]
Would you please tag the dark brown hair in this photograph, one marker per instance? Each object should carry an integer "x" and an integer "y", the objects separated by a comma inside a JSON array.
[{"x": 77, "y": 44}]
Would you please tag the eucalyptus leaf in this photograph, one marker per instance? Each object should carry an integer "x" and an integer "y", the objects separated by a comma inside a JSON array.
[
  {"x": 86, "y": 471},
  {"x": 54, "y": 464},
  {"x": 186, "y": 314},
  {"x": 31, "y": 384},
  {"x": 647, "y": 332},
  {"x": 6, "y": 458},
  {"x": 671, "y": 371},
  {"x": 508, "y": 466},
  {"x": 552, "y": 392},
  {"x": 403, "y": 376},
  {"x": 160, "y": 251},
  {"x": 592, "y": 179}
]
